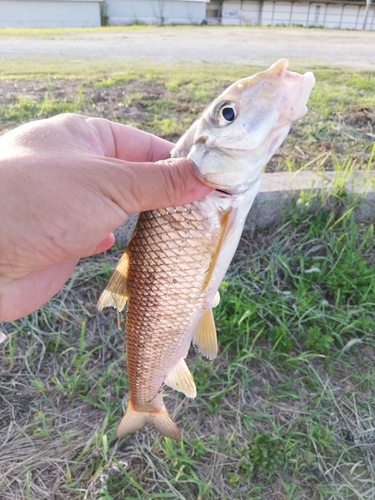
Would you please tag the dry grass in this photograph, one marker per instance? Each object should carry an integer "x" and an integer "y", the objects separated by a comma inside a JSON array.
[
  {"x": 285, "y": 412},
  {"x": 268, "y": 423}
]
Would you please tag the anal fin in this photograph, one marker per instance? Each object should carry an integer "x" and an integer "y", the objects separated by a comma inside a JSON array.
[
  {"x": 180, "y": 379},
  {"x": 115, "y": 293},
  {"x": 205, "y": 336}
]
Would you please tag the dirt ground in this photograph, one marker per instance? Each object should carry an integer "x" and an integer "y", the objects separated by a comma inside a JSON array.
[
  {"x": 51, "y": 432},
  {"x": 352, "y": 132},
  {"x": 238, "y": 45}
]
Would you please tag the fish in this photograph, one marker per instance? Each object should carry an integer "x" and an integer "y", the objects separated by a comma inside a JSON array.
[{"x": 169, "y": 275}]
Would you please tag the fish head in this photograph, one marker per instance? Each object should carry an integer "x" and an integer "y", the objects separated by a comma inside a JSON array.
[{"x": 242, "y": 129}]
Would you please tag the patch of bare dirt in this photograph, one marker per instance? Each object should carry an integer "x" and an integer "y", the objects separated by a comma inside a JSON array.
[
  {"x": 133, "y": 102},
  {"x": 102, "y": 102}
]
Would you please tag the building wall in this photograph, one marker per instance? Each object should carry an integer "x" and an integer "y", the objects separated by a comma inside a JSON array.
[
  {"x": 122, "y": 12},
  {"x": 278, "y": 13},
  {"x": 43, "y": 14}
]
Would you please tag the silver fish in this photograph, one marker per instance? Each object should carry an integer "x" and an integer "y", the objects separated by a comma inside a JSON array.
[{"x": 171, "y": 270}]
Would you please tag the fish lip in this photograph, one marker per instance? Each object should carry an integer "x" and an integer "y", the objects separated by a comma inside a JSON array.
[
  {"x": 227, "y": 193},
  {"x": 221, "y": 189},
  {"x": 201, "y": 179}
]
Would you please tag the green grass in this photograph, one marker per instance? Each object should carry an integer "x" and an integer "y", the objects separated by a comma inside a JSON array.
[
  {"x": 79, "y": 33},
  {"x": 59, "y": 33},
  {"x": 166, "y": 100},
  {"x": 24, "y": 109},
  {"x": 286, "y": 410}
]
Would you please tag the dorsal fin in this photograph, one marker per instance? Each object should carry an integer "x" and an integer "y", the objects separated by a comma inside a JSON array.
[
  {"x": 115, "y": 294},
  {"x": 205, "y": 336}
]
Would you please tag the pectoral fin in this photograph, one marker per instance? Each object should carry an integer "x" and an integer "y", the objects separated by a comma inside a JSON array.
[
  {"x": 227, "y": 223},
  {"x": 216, "y": 300},
  {"x": 205, "y": 336},
  {"x": 180, "y": 379},
  {"x": 115, "y": 293}
]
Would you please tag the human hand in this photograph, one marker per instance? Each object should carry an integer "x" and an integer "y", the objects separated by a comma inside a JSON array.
[{"x": 66, "y": 183}]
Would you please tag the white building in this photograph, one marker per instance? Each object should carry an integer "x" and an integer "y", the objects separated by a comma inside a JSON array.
[
  {"x": 88, "y": 13},
  {"x": 159, "y": 12},
  {"x": 307, "y": 13},
  {"x": 49, "y": 13}
]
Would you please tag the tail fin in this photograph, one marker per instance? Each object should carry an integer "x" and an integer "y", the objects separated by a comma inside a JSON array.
[{"x": 134, "y": 420}]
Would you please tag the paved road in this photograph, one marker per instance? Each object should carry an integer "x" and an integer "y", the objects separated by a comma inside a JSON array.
[{"x": 355, "y": 49}]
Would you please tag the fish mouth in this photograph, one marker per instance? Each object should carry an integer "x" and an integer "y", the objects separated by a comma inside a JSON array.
[
  {"x": 226, "y": 190},
  {"x": 204, "y": 181}
]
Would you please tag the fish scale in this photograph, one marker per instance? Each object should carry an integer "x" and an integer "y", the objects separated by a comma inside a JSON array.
[
  {"x": 170, "y": 273},
  {"x": 162, "y": 305}
]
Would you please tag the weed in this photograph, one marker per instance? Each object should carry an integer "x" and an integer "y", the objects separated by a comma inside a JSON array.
[
  {"x": 267, "y": 409},
  {"x": 265, "y": 454},
  {"x": 25, "y": 109},
  {"x": 317, "y": 341}
]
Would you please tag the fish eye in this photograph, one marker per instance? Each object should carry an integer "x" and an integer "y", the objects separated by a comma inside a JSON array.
[
  {"x": 228, "y": 114},
  {"x": 225, "y": 114}
]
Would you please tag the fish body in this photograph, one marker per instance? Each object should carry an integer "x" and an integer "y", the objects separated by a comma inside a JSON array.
[{"x": 177, "y": 257}]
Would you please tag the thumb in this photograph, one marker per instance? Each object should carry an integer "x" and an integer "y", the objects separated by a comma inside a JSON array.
[{"x": 166, "y": 183}]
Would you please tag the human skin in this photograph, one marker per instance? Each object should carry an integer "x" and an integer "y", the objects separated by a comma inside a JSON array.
[{"x": 66, "y": 183}]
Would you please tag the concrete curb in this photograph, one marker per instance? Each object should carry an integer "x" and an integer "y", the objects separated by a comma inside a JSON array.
[{"x": 280, "y": 191}]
